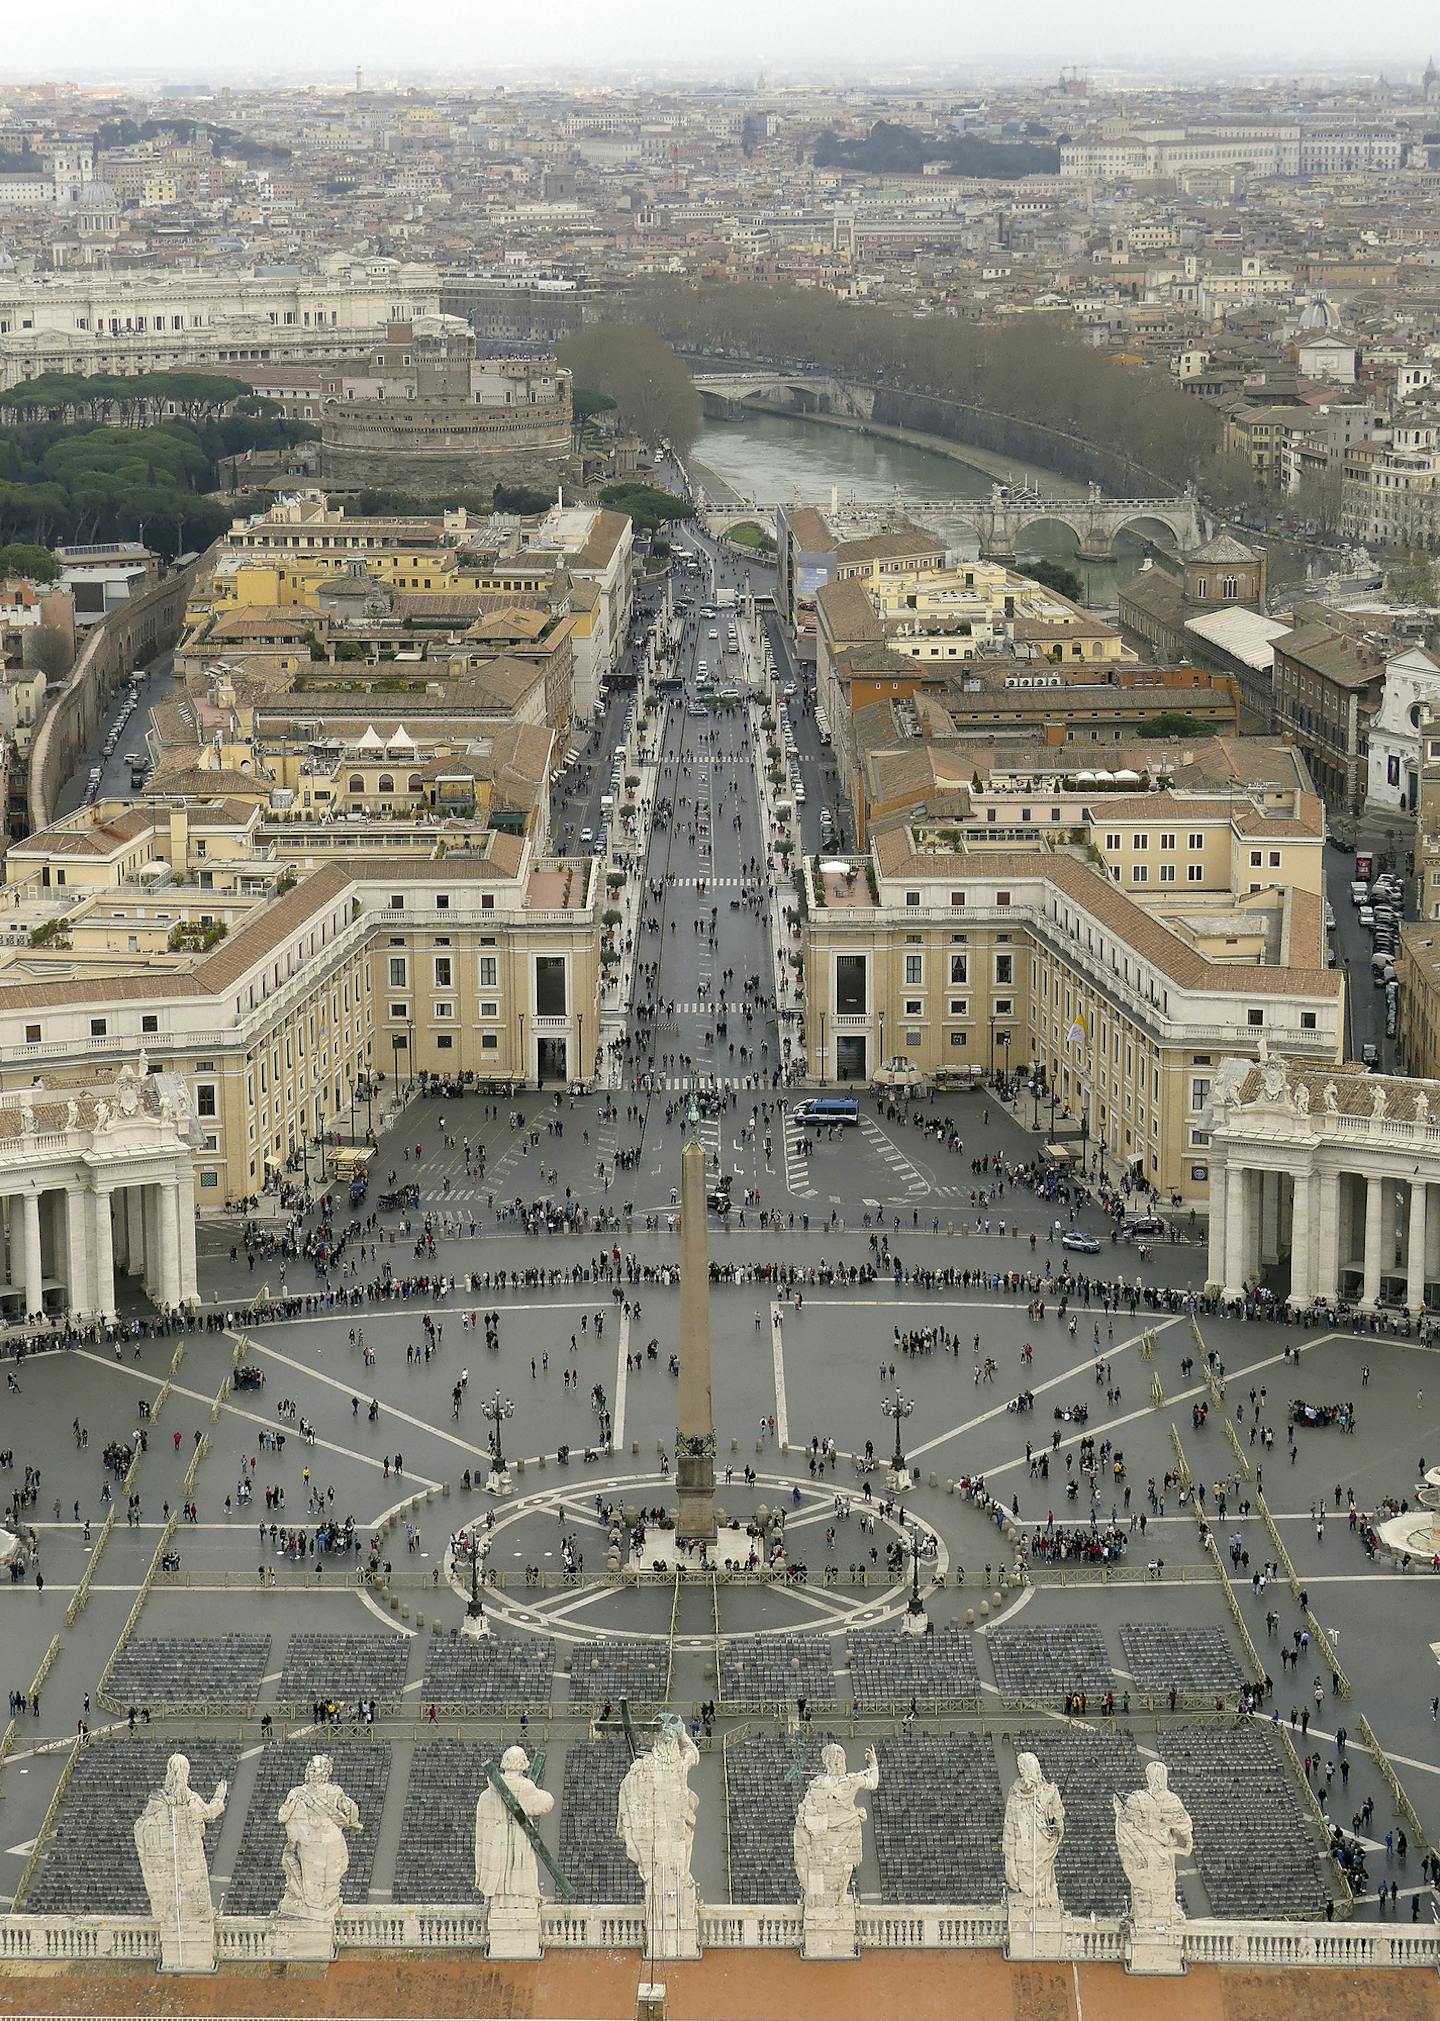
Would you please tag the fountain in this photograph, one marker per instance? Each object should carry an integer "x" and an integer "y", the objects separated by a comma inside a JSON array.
[{"x": 1416, "y": 1533}]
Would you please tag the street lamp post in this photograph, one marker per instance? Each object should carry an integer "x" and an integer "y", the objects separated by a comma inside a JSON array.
[
  {"x": 916, "y": 1621},
  {"x": 410, "y": 1056},
  {"x": 495, "y": 1413},
  {"x": 898, "y": 1407},
  {"x": 475, "y": 1623},
  {"x": 524, "y": 1063}
]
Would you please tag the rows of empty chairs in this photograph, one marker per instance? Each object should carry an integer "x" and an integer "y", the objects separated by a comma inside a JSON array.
[
  {"x": 90, "y": 1866},
  {"x": 763, "y": 1673},
  {"x": 176, "y": 1672},
  {"x": 1088, "y": 1769},
  {"x": 889, "y": 1670},
  {"x": 499, "y": 1673},
  {"x": 435, "y": 1860},
  {"x": 346, "y": 1668},
  {"x": 1050, "y": 1661},
  {"x": 765, "y": 1779},
  {"x": 362, "y": 1769},
  {"x": 1255, "y": 1846},
  {"x": 620, "y": 1667},
  {"x": 938, "y": 1814},
  {"x": 1191, "y": 1661},
  {"x": 592, "y": 1854}
]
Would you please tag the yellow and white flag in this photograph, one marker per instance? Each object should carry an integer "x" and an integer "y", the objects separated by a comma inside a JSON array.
[{"x": 1079, "y": 1032}]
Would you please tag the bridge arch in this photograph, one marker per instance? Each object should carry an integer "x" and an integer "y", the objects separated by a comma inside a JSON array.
[
  {"x": 1160, "y": 529},
  {"x": 1029, "y": 522}
]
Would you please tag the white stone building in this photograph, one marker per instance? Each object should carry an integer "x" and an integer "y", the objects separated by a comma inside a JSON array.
[
  {"x": 1320, "y": 1184},
  {"x": 1411, "y": 693}
]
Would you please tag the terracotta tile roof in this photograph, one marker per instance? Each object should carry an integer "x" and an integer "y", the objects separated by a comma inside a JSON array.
[
  {"x": 905, "y": 540},
  {"x": 810, "y": 531}
]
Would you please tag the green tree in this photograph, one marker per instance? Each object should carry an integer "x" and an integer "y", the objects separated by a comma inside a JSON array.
[
  {"x": 1411, "y": 578},
  {"x": 637, "y": 369},
  {"x": 23, "y": 558},
  {"x": 1054, "y": 575}
]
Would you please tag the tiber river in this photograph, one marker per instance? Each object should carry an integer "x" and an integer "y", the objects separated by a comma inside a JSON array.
[{"x": 773, "y": 458}]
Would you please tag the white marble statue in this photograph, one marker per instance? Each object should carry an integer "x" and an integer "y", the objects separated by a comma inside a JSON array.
[
  {"x": 1152, "y": 1827},
  {"x": 506, "y": 1871},
  {"x": 1379, "y": 1103},
  {"x": 72, "y": 1115},
  {"x": 829, "y": 1828},
  {"x": 170, "y": 1839},
  {"x": 1033, "y": 1834},
  {"x": 316, "y": 1816},
  {"x": 657, "y": 1823}
]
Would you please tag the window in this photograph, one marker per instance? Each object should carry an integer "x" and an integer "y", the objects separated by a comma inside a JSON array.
[
  {"x": 1004, "y": 968},
  {"x": 1254, "y": 1018},
  {"x": 1307, "y": 1021},
  {"x": 489, "y": 1010},
  {"x": 957, "y": 898},
  {"x": 959, "y": 1007},
  {"x": 1197, "y": 841},
  {"x": 489, "y": 971},
  {"x": 1140, "y": 873},
  {"x": 1167, "y": 841},
  {"x": 444, "y": 1043},
  {"x": 1256, "y": 859},
  {"x": 1195, "y": 873},
  {"x": 1274, "y": 859},
  {"x": 209, "y": 1179},
  {"x": 1140, "y": 841},
  {"x": 1004, "y": 1007},
  {"x": 444, "y": 1008},
  {"x": 32, "y": 1035},
  {"x": 97, "y": 1028},
  {"x": 444, "y": 972},
  {"x": 1199, "y": 1091},
  {"x": 489, "y": 1042},
  {"x": 959, "y": 968},
  {"x": 397, "y": 901},
  {"x": 912, "y": 898},
  {"x": 914, "y": 969},
  {"x": 851, "y": 985},
  {"x": 397, "y": 971},
  {"x": 397, "y": 1010},
  {"x": 1167, "y": 873},
  {"x": 959, "y": 1038},
  {"x": 1229, "y": 585},
  {"x": 1112, "y": 841},
  {"x": 205, "y": 1099},
  {"x": 550, "y": 992},
  {"x": 150, "y": 1022}
]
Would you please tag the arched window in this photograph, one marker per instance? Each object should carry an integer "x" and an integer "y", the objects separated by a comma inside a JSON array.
[
  {"x": 413, "y": 783},
  {"x": 1230, "y": 586},
  {"x": 357, "y": 784},
  {"x": 387, "y": 784}
]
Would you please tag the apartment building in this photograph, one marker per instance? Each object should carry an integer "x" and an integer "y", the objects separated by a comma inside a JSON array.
[
  {"x": 1390, "y": 492},
  {"x": 1327, "y": 687},
  {"x": 283, "y": 976}
]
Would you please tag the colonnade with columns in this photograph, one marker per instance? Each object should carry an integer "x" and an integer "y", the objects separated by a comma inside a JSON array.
[
  {"x": 1325, "y": 1185},
  {"x": 68, "y": 1236},
  {"x": 1369, "y": 1237}
]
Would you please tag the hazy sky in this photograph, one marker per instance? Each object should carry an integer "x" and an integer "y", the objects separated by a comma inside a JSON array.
[{"x": 193, "y": 40}]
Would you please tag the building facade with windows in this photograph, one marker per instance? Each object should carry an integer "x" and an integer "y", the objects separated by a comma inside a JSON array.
[{"x": 1110, "y": 999}]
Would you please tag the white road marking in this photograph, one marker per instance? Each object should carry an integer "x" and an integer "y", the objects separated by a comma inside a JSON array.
[
  {"x": 622, "y": 1379},
  {"x": 777, "y": 1356}
]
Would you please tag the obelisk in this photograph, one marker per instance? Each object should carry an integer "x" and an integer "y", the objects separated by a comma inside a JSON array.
[{"x": 695, "y": 1437}]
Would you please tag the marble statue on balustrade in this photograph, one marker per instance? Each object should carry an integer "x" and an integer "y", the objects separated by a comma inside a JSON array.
[
  {"x": 170, "y": 1839},
  {"x": 828, "y": 1842},
  {"x": 506, "y": 1871},
  {"x": 316, "y": 1816},
  {"x": 1033, "y": 1833},
  {"x": 657, "y": 1823},
  {"x": 1152, "y": 1828}
]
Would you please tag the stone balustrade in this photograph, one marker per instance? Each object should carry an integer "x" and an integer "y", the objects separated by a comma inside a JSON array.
[{"x": 44, "y": 1940}]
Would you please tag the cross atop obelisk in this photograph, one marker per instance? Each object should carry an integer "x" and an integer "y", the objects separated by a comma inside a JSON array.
[{"x": 695, "y": 1438}]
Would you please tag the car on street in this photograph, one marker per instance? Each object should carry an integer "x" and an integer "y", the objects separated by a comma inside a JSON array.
[
  {"x": 1144, "y": 1224},
  {"x": 1370, "y": 1054},
  {"x": 587, "y": 838},
  {"x": 1076, "y": 1238}
]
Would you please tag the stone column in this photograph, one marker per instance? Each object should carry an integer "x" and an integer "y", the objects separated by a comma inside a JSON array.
[
  {"x": 77, "y": 1252},
  {"x": 1269, "y": 1188},
  {"x": 59, "y": 1235},
  {"x": 1432, "y": 1248},
  {"x": 137, "y": 1236},
  {"x": 189, "y": 1282},
  {"x": 1415, "y": 1248},
  {"x": 167, "y": 1277},
  {"x": 1374, "y": 1236},
  {"x": 104, "y": 1255},
  {"x": 1215, "y": 1269},
  {"x": 1326, "y": 1248},
  {"x": 34, "y": 1255},
  {"x": 1235, "y": 1206},
  {"x": 1302, "y": 1240}
]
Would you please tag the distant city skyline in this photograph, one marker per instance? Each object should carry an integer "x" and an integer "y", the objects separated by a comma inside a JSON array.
[{"x": 90, "y": 40}]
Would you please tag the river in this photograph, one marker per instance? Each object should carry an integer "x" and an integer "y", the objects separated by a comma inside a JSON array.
[{"x": 772, "y": 457}]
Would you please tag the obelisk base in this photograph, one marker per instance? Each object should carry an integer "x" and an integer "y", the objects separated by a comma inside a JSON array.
[{"x": 695, "y": 1482}]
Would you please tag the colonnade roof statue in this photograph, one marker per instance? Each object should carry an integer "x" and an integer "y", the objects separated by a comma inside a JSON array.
[{"x": 657, "y": 1822}]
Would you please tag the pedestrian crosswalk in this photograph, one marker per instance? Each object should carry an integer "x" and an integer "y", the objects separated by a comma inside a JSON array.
[
  {"x": 710, "y": 883},
  {"x": 913, "y": 1180}
]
